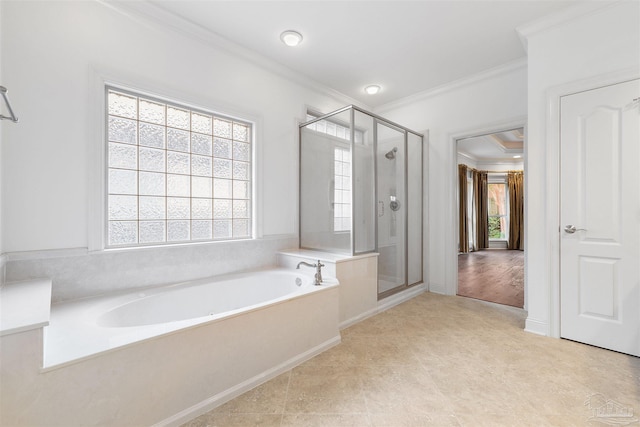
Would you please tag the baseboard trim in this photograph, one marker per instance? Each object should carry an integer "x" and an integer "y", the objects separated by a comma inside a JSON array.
[
  {"x": 536, "y": 327},
  {"x": 436, "y": 288},
  {"x": 358, "y": 318},
  {"x": 401, "y": 297},
  {"x": 386, "y": 304},
  {"x": 235, "y": 391}
]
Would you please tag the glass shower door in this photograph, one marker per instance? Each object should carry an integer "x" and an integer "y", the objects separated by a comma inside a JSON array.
[{"x": 391, "y": 208}]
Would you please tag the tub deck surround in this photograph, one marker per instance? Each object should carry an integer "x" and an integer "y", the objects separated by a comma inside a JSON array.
[
  {"x": 169, "y": 378},
  {"x": 324, "y": 256},
  {"x": 358, "y": 276},
  {"x": 24, "y": 306},
  {"x": 89, "y": 327},
  {"x": 291, "y": 257}
]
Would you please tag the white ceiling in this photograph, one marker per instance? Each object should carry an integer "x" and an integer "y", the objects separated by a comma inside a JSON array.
[
  {"x": 405, "y": 46},
  {"x": 497, "y": 147}
]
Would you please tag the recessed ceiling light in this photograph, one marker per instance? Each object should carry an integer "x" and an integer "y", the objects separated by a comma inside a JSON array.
[
  {"x": 517, "y": 157},
  {"x": 372, "y": 89},
  {"x": 291, "y": 38}
]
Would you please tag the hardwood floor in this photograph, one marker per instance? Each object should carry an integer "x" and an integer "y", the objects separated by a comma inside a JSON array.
[{"x": 493, "y": 275}]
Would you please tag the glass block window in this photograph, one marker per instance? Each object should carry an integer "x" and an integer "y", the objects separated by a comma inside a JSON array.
[
  {"x": 339, "y": 130},
  {"x": 342, "y": 190},
  {"x": 175, "y": 174}
]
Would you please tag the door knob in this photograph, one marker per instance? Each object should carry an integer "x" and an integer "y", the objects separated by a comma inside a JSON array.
[{"x": 570, "y": 229}]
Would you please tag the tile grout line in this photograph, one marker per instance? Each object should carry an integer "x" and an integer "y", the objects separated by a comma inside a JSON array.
[
  {"x": 286, "y": 396},
  {"x": 366, "y": 401}
]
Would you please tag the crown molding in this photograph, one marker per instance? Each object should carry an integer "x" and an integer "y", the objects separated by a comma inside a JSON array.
[
  {"x": 499, "y": 162},
  {"x": 501, "y": 145},
  {"x": 467, "y": 156},
  {"x": 456, "y": 84},
  {"x": 490, "y": 160},
  {"x": 483, "y": 163},
  {"x": 561, "y": 17},
  {"x": 150, "y": 14}
]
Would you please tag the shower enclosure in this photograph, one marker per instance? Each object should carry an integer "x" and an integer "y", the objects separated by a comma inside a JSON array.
[{"x": 361, "y": 191}]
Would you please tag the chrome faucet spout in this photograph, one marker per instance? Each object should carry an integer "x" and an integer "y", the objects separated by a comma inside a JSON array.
[
  {"x": 318, "y": 267},
  {"x": 305, "y": 263}
]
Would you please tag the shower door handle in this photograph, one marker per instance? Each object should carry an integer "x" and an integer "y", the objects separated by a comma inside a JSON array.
[
  {"x": 332, "y": 193},
  {"x": 380, "y": 208}
]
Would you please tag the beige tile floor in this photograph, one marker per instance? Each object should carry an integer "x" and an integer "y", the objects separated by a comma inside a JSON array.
[{"x": 443, "y": 361}]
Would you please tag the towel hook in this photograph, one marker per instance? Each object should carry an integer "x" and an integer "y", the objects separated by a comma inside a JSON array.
[{"x": 12, "y": 117}]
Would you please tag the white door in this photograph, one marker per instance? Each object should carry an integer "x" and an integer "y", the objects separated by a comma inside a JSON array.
[{"x": 600, "y": 217}]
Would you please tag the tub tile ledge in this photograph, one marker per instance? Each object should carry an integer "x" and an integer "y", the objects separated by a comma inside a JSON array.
[{"x": 24, "y": 306}]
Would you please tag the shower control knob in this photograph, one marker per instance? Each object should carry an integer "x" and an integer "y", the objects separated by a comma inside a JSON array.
[{"x": 394, "y": 204}]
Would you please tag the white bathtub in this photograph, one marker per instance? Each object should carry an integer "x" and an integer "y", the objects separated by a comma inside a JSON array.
[
  {"x": 88, "y": 327},
  {"x": 165, "y": 355}
]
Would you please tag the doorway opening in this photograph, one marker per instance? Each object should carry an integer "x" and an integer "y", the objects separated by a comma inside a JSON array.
[{"x": 491, "y": 217}]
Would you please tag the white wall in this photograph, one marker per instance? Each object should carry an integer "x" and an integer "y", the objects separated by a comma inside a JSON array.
[
  {"x": 53, "y": 53},
  {"x": 463, "y": 109},
  {"x": 2, "y": 258},
  {"x": 561, "y": 57},
  {"x": 604, "y": 39}
]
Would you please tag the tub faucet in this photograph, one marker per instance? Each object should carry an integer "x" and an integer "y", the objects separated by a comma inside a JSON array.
[{"x": 318, "y": 266}]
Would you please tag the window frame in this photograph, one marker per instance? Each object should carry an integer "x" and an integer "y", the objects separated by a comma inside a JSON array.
[{"x": 99, "y": 241}]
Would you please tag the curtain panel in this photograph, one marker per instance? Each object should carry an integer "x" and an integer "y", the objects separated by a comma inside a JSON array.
[
  {"x": 515, "y": 182},
  {"x": 463, "y": 229},
  {"x": 482, "y": 213}
]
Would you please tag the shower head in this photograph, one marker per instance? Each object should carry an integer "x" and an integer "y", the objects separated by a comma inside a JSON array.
[{"x": 392, "y": 154}]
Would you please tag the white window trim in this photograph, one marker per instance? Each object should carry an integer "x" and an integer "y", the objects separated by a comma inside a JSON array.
[{"x": 98, "y": 146}]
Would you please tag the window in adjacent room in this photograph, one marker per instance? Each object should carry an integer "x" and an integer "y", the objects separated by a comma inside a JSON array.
[
  {"x": 498, "y": 211},
  {"x": 175, "y": 174}
]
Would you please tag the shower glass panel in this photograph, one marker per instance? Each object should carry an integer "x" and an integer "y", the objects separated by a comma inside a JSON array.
[
  {"x": 364, "y": 184},
  {"x": 361, "y": 191},
  {"x": 392, "y": 207},
  {"x": 325, "y": 185}
]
